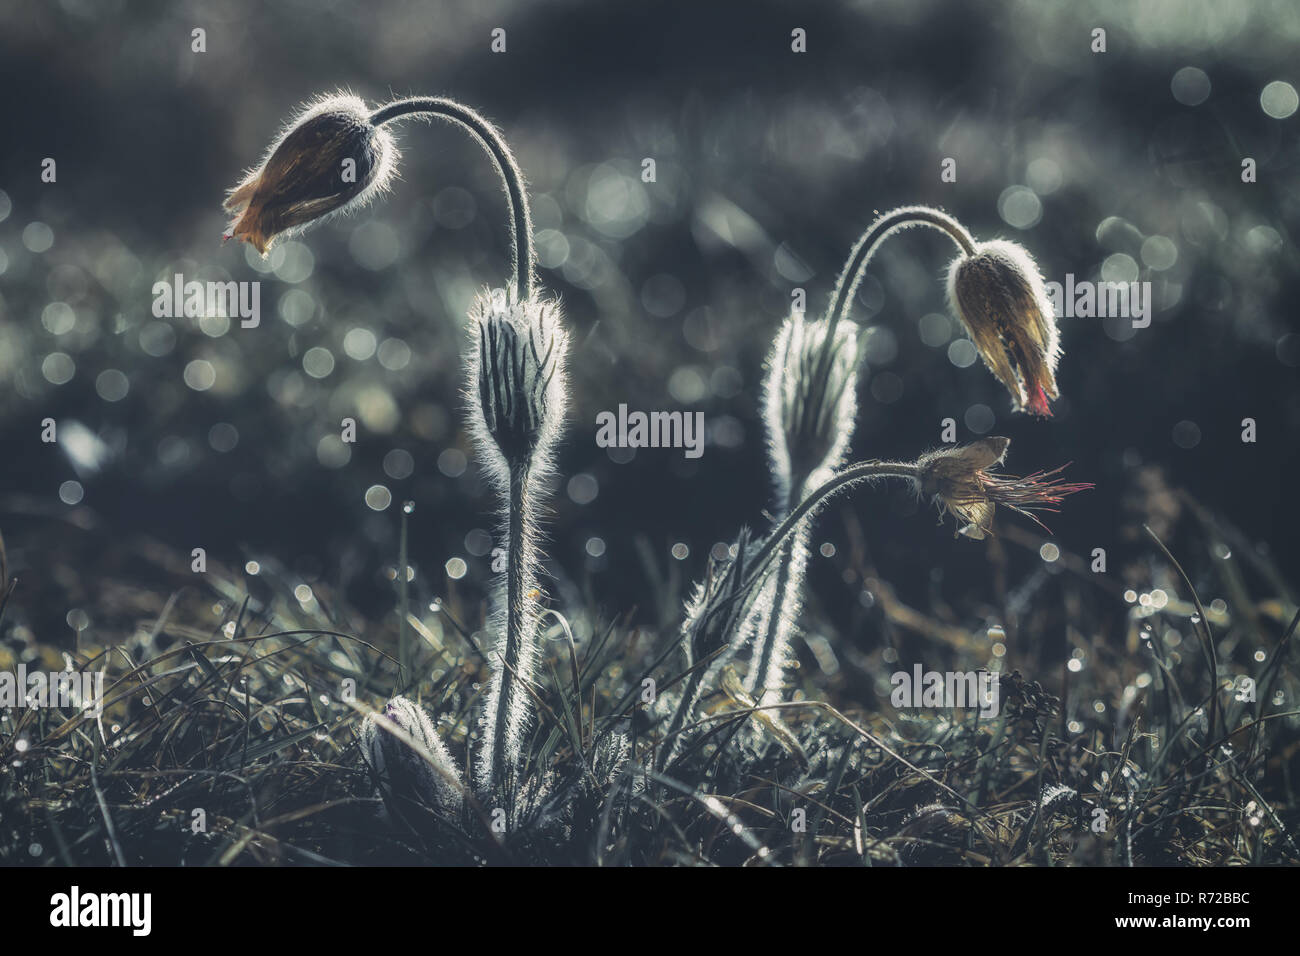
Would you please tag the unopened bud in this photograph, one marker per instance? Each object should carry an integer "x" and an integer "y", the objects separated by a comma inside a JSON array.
[{"x": 999, "y": 296}]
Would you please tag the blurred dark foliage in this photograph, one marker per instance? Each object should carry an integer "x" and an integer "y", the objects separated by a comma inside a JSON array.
[{"x": 769, "y": 164}]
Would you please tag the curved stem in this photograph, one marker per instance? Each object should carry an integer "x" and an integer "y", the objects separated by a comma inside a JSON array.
[
  {"x": 497, "y": 148},
  {"x": 846, "y": 287},
  {"x": 863, "y": 471}
]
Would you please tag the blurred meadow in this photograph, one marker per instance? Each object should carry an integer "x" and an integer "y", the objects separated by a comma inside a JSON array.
[{"x": 180, "y": 433}]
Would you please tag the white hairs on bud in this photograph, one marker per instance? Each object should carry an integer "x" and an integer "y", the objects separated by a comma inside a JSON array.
[
  {"x": 808, "y": 416},
  {"x": 809, "y": 408},
  {"x": 517, "y": 395},
  {"x": 517, "y": 383},
  {"x": 424, "y": 773}
]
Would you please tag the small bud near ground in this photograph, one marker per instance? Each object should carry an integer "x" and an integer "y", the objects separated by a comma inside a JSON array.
[{"x": 404, "y": 775}]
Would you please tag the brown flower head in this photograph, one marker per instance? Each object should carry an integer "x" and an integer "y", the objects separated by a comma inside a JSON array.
[
  {"x": 961, "y": 483},
  {"x": 329, "y": 159},
  {"x": 999, "y": 296}
]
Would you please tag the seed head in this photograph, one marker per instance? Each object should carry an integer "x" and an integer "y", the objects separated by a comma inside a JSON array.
[
  {"x": 517, "y": 379},
  {"x": 999, "y": 296},
  {"x": 809, "y": 404},
  {"x": 306, "y": 174},
  {"x": 961, "y": 483}
]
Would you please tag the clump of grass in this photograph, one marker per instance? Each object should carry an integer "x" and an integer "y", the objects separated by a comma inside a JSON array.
[{"x": 243, "y": 718}]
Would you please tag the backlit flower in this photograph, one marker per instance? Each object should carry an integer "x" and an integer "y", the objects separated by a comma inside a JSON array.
[
  {"x": 961, "y": 483},
  {"x": 329, "y": 159},
  {"x": 999, "y": 296}
]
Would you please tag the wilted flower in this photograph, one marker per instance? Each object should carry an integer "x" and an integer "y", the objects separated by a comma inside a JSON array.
[
  {"x": 810, "y": 402},
  {"x": 961, "y": 482},
  {"x": 517, "y": 378},
  {"x": 403, "y": 774},
  {"x": 999, "y": 296},
  {"x": 330, "y": 158}
]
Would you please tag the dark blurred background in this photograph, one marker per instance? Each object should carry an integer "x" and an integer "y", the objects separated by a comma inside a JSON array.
[{"x": 1124, "y": 166}]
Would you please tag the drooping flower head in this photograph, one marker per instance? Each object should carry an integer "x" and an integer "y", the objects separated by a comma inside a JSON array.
[
  {"x": 517, "y": 379},
  {"x": 961, "y": 483},
  {"x": 329, "y": 159},
  {"x": 999, "y": 296},
  {"x": 809, "y": 404}
]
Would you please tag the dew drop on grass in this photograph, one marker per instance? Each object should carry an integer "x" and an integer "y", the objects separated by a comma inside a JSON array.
[{"x": 408, "y": 508}]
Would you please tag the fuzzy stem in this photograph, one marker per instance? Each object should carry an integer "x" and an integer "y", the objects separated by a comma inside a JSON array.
[
  {"x": 846, "y": 287},
  {"x": 685, "y": 706},
  {"x": 863, "y": 471},
  {"x": 517, "y": 653},
  {"x": 772, "y": 636},
  {"x": 495, "y": 144}
]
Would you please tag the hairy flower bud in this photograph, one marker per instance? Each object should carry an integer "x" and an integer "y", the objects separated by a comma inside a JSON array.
[
  {"x": 329, "y": 159},
  {"x": 810, "y": 403},
  {"x": 999, "y": 296},
  {"x": 517, "y": 384},
  {"x": 517, "y": 397},
  {"x": 403, "y": 774}
]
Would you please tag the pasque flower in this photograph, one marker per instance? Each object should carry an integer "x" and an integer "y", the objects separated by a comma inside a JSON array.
[
  {"x": 809, "y": 406},
  {"x": 810, "y": 402},
  {"x": 517, "y": 401},
  {"x": 336, "y": 155},
  {"x": 995, "y": 290},
  {"x": 517, "y": 378},
  {"x": 961, "y": 482},
  {"x": 329, "y": 159},
  {"x": 998, "y": 294}
]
